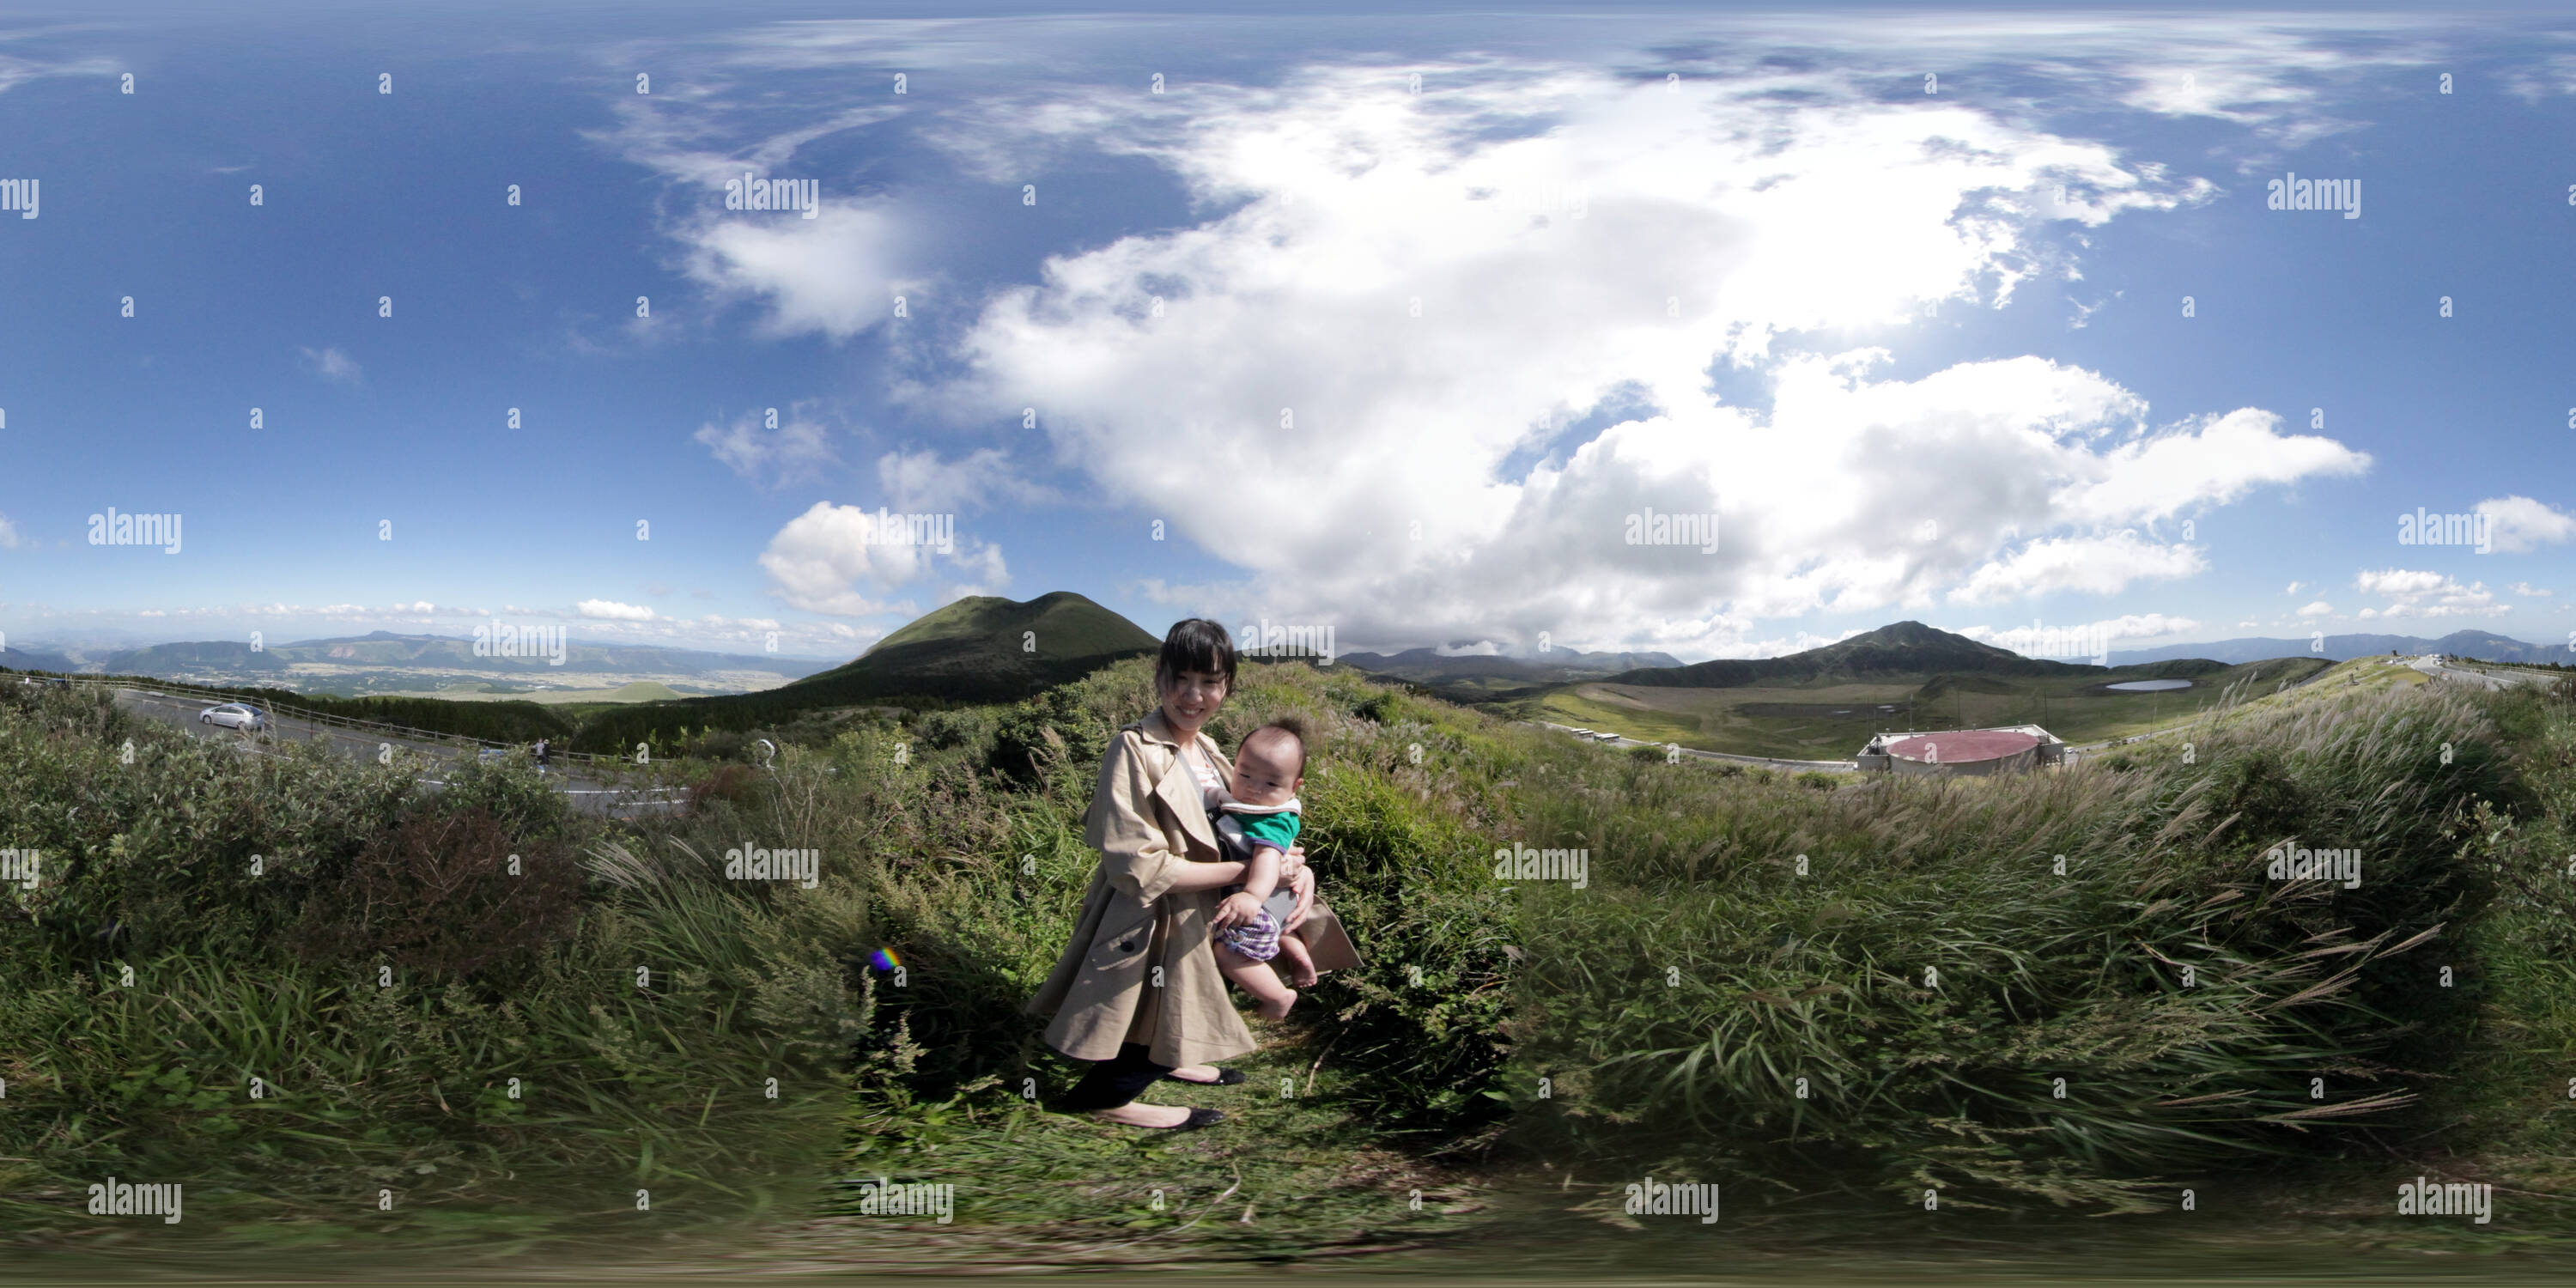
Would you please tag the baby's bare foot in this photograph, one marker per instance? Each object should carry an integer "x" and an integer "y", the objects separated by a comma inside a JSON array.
[{"x": 1302, "y": 976}]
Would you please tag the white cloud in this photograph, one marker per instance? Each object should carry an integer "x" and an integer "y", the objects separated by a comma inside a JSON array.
[
  {"x": 825, "y": 559},
  {"x": 2418, "y": 593},
  {"x": 2294, "y": 588},
  {"x": 797, "y": 449},
  {"x": 9, "y": 538},
  {"x": 611, "y": 610},
  {"x": 2519, "y": 523},
  {"x": 2082, "y": 640},
  {"x": 2319, "y": 608},
  {"x": 1289, "y": 356},
  {"x": 331, "y": 364},
  {"x": 831, "y": 274},
  {"x": 921, "y": 481},
  {"x": 2526, "y": 588}
]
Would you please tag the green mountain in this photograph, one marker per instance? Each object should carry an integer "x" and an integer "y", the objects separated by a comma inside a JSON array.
[
  {"x": 981, "y": 649},
  {"x": 1901, "y": 649}
]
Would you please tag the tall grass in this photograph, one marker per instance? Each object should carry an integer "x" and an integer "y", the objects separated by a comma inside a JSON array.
[
  {"x": 1910, "y": 949},
  {"x": 1882, "y": 987}
]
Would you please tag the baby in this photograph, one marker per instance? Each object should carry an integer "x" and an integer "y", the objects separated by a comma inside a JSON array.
[{"x": 1262, "y": 819}]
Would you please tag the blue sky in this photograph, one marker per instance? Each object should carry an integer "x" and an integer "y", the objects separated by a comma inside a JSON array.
[{"x": 1898, "y": 296}]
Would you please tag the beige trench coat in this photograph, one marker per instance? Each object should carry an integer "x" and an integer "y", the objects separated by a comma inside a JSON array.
[{"x": 1141, "y": 966}]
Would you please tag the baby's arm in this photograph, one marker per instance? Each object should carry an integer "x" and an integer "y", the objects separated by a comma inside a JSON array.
[{"x": 1261, "y": 875}]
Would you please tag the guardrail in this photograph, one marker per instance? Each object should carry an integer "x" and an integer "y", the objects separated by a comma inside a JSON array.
[{"x": 201, "y": 693}]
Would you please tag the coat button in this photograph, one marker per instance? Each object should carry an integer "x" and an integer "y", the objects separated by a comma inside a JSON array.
[{"x": 1127, "y": 946}]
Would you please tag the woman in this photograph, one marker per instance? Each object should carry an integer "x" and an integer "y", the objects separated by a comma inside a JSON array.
[{"x": 1137, "y": 991}]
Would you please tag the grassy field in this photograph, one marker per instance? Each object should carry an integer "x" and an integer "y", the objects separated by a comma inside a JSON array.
[
  {"x": 1832, "y": 721},
  {"x": 1512, "y": 1053}
]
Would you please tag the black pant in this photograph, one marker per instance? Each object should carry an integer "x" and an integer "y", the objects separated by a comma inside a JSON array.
[{"x": 1113, "y": 1082}]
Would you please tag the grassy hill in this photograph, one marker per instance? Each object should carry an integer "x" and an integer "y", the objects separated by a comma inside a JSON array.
[
  {"x": 1900, "y": 649},
  {"x": 1827, "y": 720},
  {"x": 982, "y": 648},
  {"x": 1824, "y": 703}
]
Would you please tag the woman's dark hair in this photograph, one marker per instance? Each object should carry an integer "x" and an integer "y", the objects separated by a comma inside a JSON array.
[{"x": 1195, "y": 644}]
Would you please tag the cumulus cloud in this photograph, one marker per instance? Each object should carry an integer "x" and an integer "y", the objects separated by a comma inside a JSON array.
[
  {"x": 1377, "y": 346},
  {"x": 829, "y": 558},
  {"x": 611, "y": 610},
  {"x": 2535, "y": 592},
  {"x": 2418, "y": 593},
  {"x": 2519, "y": 523},
  {"x": 797, "y": 448},
  {"x": 2319, "y": 608},
  {"x": 9, "y": 538}
]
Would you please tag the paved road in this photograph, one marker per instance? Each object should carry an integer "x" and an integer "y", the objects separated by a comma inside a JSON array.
[
  {"x": 589, "y": 793},
  {"x": 2492, "y": 679}
]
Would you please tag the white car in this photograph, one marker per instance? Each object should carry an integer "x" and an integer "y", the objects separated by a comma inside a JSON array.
[{"x": 234, "y": 715}]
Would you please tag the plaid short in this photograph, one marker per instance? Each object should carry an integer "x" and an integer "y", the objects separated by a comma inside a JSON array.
[{"x": 1257, "y": 940}]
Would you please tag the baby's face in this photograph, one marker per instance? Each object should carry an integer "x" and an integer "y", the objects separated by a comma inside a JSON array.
[{"x": 1264, "y": 777}]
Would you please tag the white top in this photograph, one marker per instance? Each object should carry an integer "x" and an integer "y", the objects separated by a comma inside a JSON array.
[{"x": 1212, "y": 792}]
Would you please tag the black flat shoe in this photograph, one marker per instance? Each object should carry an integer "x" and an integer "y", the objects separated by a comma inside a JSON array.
[
  {"x": 1197, "y": 1118},
  {"x": 1224, "y": 1078}
]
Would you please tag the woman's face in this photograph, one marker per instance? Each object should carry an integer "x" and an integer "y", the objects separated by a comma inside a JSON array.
[{"x": 1190, "y": 697}]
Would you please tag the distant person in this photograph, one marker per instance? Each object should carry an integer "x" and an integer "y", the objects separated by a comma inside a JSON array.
[{"x": 545, "y": 756}]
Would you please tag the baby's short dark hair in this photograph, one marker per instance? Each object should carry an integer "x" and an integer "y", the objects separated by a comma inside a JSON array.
[{"x": 1288, "y": 727}]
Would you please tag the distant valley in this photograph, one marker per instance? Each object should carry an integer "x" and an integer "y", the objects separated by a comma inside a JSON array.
[{"x": 387, "y": 664}]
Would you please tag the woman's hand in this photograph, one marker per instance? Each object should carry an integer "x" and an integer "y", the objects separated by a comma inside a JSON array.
[
  {"x": 1237, "y": 909},
  {"x": 1302, "y": 884}
]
